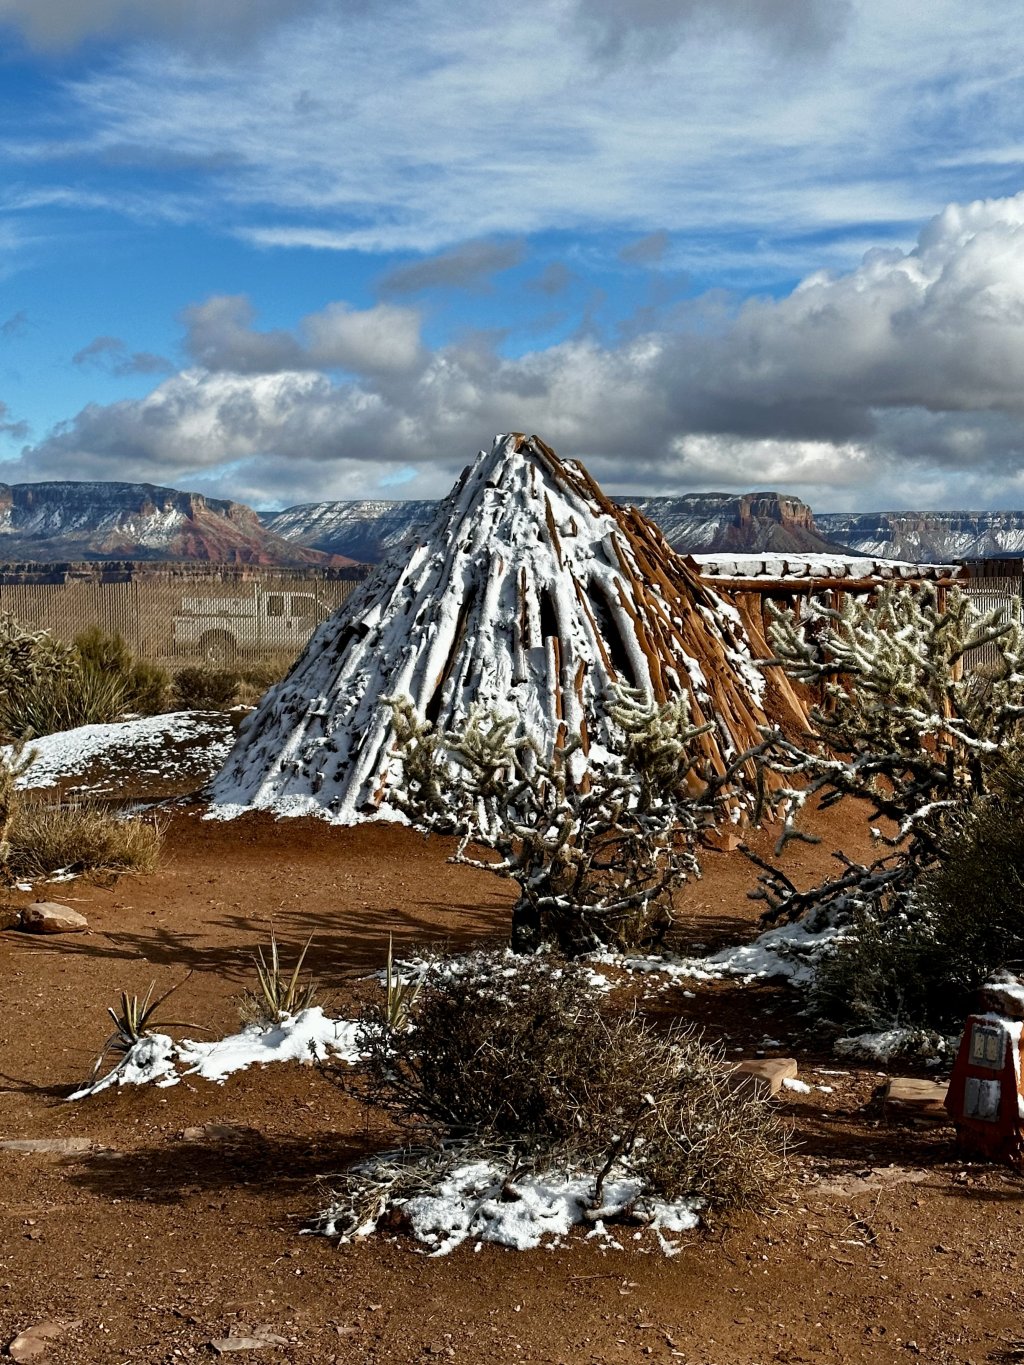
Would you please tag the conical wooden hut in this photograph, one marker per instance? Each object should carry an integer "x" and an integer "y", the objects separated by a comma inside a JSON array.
[{"x": 529, "y": 591}]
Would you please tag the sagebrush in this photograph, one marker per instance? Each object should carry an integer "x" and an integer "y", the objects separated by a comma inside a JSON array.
[{"x": 515, "y": 1055}]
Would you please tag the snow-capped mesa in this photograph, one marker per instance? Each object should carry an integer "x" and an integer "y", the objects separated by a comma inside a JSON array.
[{"x": 529, "y": 592}]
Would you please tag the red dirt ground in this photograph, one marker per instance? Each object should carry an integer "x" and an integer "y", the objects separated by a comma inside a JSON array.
[{"x": 155, "y": 1245}]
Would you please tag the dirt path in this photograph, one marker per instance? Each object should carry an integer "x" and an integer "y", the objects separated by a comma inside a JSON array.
[{"x": 161, "y": 1241}]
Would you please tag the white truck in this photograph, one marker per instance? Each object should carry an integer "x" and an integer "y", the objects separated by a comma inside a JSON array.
[{"x": 262, "y": 622}]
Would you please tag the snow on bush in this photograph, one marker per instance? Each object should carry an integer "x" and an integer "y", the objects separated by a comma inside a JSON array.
[
  {"x": 511, "y": 1081},
  {"x": 444, "y": 1199}
]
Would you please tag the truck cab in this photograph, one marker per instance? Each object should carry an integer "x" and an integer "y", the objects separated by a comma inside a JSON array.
[{"x": 220, "y": 628}]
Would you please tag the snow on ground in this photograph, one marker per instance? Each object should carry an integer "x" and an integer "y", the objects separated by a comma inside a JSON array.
[
  {"x": 153, "y": 746},
  {"x": 158, "y": 1059},
  {"x": 470, "y": 1203},
  {"x": 790, "y": 951},
  {"x": 889, "y": 1044}
]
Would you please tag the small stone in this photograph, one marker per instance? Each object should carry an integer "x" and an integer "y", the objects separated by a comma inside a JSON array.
[
  {"x": 764, "y": 1075},
  {"x": 34, "y": 1341},
  {"x": 49, "y": 917},
  {"x": 225, "y": 1345},
  {"x": 59, "y": 1146},
  {"x": 920, "y": 1098}
]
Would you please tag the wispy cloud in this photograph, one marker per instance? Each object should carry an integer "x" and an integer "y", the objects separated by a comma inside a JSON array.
[
  {"x": 111, "y": 354},
  {"x": 729, "y": 129}
]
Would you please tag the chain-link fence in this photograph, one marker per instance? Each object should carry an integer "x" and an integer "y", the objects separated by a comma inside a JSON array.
[{"x": 176, "y": 613}]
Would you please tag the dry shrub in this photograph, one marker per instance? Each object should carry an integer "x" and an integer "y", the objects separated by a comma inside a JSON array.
[
  {"x": 203, "y": 687},
  {"x": 46, "y": 836},
  {"x": 207, "y": 687},
  {"x": 517, "y": 1053}
]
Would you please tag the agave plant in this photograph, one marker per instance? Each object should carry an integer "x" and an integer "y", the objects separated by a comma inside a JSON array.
[
  {"x": 278, "y": 994},
  {"x": 401, "y": 995}
]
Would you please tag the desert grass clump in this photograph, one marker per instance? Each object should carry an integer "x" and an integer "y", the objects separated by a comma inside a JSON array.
[
  {"x": 45, "y": 836},
  {"x": 514, "y": 1056},
  {"x": 279, "y": 995},
  {"x": 13, "y": 765},
  {"x": 209, "y": 687}
]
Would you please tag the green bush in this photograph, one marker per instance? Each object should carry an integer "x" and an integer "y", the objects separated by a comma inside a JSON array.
[
  {"x": 921, "y": 964},
  {"x": 203, "y": 687},
  {"x": 146, "y": 686},
  {"x": 47, "y": 685}
]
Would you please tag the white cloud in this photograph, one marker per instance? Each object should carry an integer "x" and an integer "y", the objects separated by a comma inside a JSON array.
[
  {"x": 380, "y": 340},
  {"x": 219, "y": 335},
  {"x": 906, "y": 372}
]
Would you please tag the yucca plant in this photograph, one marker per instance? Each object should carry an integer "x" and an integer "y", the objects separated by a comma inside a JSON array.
[
  {"x": 278, "y": 994},
  {"x": 401, "y": 995},
  {"x": 132, "y": 1023}
]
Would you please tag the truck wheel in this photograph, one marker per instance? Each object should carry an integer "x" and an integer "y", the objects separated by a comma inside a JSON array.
[{"x": 218, "y": 646}]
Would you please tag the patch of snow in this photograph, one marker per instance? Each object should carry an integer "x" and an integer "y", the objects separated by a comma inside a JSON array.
[
  {"x": 888, "y": 1044},
  {"x": 135, "y": 742},
  {"x": 299, "y": 1038},
  {"x": 309, "y": 1034},
  {"x": 467, "y": 1204},
  {"x": 790, "y": 951},
  {"x": 150, "y": 1061}
]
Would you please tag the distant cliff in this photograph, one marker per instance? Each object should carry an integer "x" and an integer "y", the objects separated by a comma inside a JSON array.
[
  {"x": 924, "y": 537},
  {"x": 91, "y": 520},
  {"x": 368, "y": 531}
]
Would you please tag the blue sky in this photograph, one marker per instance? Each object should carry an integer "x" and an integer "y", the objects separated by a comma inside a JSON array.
[{"x": 285, "y": 250}]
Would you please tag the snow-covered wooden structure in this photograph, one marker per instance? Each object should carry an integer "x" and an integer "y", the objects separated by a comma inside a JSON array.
[{"x": 529, "y": 591}]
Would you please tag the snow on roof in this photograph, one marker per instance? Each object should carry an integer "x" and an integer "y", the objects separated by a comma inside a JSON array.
[
  {"x": 529, "y": 591},
  {"x": 788, "y": 567}
]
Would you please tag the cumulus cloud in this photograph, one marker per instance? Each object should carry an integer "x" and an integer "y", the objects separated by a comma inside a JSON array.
[
  {"x": 385, "y": 339},
  {"x": 906, "y": 372},
  {"x": 9, "y": 426},
  {"x": 111, "y": 354},
  {"x": 219, "y": 335},
  {"x": 469, "y": 266}
]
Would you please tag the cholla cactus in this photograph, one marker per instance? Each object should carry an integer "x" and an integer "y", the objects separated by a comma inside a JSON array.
[
  {"x": 658, "y": 745},
  {"x": 598, "y": 853},
  {"x": 901, "y": 727}
]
